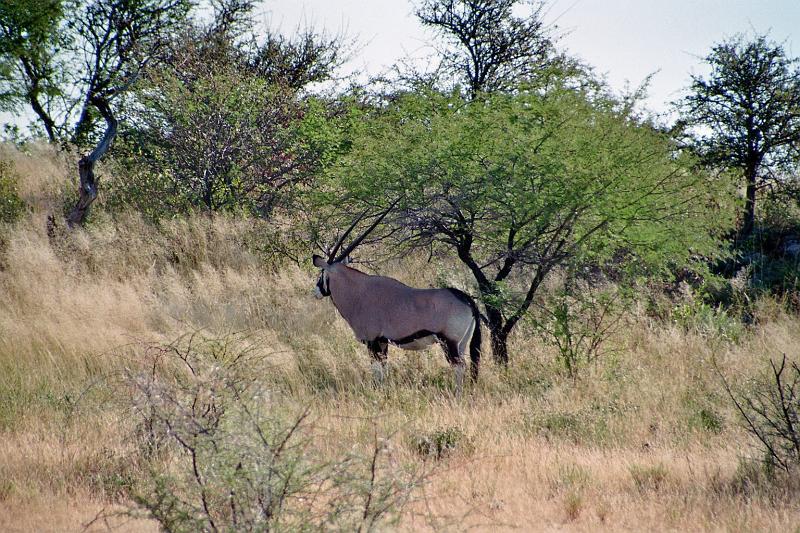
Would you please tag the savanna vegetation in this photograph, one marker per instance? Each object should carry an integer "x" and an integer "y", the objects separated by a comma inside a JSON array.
[{"x": 164, "y": 365}]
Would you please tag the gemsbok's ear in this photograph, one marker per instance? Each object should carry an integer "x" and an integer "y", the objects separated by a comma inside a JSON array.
[{"x": 319, "y": 262}]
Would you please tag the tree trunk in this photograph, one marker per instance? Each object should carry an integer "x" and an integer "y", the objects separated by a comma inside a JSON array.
[
  {"x": 499, "y": 342},
  {"x": 88, "y": 182},
  {"x": 499, "y": 337},
  {"x": 749, "y": 205},
  {"x": 49, "y": 125},
  {"x": 499, "y": 326},
  {"x": 33, "y": 98}
]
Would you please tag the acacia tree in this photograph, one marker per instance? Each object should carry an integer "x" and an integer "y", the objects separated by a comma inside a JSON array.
[
  {"x": 225, "y": 141},
  {"x": 72, "y": 61},
  {"x": 224, "y": 122},
  {"x": 516, "y": 185},
  {"x": 747, "y": 111},
  {"x": 487, "y": 46}
]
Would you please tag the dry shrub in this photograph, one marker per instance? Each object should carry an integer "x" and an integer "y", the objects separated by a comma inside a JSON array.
[
  {"x": 649, "y": 477},
  {"x": 440, "y": 443},
  {"x": 227, "y": 454},
  {"x": 573, "y": 505},
  {"x": 770, "y": 408}
]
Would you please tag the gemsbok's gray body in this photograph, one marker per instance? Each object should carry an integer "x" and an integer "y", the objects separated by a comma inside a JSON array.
[{"x": 383, "y": 311}]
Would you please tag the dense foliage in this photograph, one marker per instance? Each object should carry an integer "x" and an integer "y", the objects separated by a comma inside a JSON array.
[
  {"x": 11, "y": 205},
  {"x": 516, "y": 185},
  {"x": 72, "y": 61},
  {"x": 747, "y": 111},
  {"x": 252, "y": 136},
  {"x": 29, "y": 68},
  {"x": 223, "y": 122}
]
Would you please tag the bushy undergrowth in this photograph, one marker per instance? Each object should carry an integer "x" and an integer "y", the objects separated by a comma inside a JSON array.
[
  {"x": 712, "y": 322},
  {"x": 225, "y": 453},
  {"x": 578, "y": 321}
]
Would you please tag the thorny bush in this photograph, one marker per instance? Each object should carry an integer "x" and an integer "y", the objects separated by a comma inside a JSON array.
[
  {"x": 225, "y": 453},
  {"x": 771, "y": 413}
]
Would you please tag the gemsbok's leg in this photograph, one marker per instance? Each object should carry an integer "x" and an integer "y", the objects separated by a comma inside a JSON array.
[
  {"x": 463, "y": 347},
  {"x": 456, "y": 360},
  {"x": 378, "y": 350}
]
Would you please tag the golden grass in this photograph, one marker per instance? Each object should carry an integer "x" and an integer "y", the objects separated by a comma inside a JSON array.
[{"x": 645, "y": 439}]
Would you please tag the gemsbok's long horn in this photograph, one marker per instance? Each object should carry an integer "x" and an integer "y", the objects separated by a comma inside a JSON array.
[
  {"x": 363, "y": 235},
  {"x": 335, "y": 249}
]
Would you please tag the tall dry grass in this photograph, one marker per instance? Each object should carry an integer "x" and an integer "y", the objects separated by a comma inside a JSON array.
[{"x": 644, "y": 439}]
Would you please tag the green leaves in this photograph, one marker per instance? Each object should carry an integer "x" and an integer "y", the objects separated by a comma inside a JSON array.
[
  {"x": 519, "y": 173},
  {"x": 518, "y": 184},
  {"x": 746, "y": 113},
  {"x": 70, "y": 60},
  {"x": 28, "y": 26},
  {"x": 30, "y": 69}
]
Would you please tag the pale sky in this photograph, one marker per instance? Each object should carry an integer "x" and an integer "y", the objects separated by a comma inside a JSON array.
[{"x": 624, "y": 39}]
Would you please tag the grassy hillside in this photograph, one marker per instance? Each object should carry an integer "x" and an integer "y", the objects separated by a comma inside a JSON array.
[{"x": 645, "y": 438}]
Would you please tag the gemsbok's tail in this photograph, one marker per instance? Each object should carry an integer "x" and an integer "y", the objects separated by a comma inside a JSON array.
[{"x": 475, "y": 342}]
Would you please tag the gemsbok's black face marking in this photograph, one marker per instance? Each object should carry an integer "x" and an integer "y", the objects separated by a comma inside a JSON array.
[{"x": 322, "y": 290}]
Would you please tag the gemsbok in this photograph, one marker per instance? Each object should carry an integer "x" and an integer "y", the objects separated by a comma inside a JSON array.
[{"x": 383, "y": 311}]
